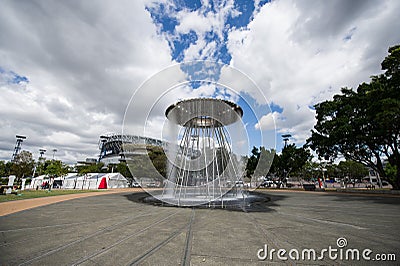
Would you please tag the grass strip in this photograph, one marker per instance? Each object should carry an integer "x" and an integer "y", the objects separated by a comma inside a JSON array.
[{"x": 30, "y": 194}]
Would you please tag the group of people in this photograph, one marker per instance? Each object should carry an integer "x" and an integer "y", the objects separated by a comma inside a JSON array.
[{"x": 47, "y": 184}]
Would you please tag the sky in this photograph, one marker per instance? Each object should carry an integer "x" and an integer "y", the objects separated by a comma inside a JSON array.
[{"x": 71, "y": 71}]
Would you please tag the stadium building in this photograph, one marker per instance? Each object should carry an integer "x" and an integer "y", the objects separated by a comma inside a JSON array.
[{"x": 111, "y": 151}]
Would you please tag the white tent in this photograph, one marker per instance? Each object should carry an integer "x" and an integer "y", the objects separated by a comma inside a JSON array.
[
  {"x": 88, "y": 181},
  {"x": 93, "y": 180},
  {"x": 70, "y": 181},
  {"x": 37, "y": 182},
  {"x": 116, "y": 180}
]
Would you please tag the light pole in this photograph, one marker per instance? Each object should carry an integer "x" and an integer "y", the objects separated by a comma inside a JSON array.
[
  {"x": 286, "y": 139},
  {"x": 41, "y": 152},
  {"x": 285, "y": 172},
  {"x": 17, "y": 148},
  {"x": 102, "y": 143},
  {"x": 323, "y": 169}
]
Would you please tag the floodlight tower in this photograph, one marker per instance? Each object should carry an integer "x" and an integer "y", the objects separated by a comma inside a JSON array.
[
  {"x": 18, "y": 144},
  {"x": 41, "y": 152},
  {"x": 102, "y": 142},
  {"x": 54, "y": 152},
  {"x": 286, "y": 138}
]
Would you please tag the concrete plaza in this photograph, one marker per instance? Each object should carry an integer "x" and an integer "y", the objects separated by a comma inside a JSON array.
[{"x": 115, "y": 229}]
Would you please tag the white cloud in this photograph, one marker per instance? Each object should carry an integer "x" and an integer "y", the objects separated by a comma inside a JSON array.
[
  {"x": 194, "y": 21},
  {"x": 267, "y": 122},
  {"x": 83, "y": 62},
  {"x": 202, "y": 22},
  {"x": 302, "y": 52}
]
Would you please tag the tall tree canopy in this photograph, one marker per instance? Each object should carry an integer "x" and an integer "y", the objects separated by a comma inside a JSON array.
[
  {"x": 252, "y": 162},
  {"x": 290, "y": 161},
  {"x": 56, "y": 168},
  {"x": 5, "y": 168},
  {"x": 23, "y": 164},
  {"x": 364, "y": 125},
  {"x": 90, "y": 168},
  {"x": 351, "y": 170},
  {"x": 152, "y": 165}
]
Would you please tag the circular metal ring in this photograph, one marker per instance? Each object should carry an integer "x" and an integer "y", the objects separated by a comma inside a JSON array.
[{"x": 204, "y": 112}]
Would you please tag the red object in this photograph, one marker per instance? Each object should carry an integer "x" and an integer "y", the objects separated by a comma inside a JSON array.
[
  {"x": 321, "y": 185},
  {"x": 103, "y": 183}
]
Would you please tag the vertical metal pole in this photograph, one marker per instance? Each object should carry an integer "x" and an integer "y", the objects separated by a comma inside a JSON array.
[{"x": 184, "y": 170}]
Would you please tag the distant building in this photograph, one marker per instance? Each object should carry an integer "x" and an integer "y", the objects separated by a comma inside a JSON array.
[
  {"x": 112, "y": 146},
  {"x": 88, "y": 161}
]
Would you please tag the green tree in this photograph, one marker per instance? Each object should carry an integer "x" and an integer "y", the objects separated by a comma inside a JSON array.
[
  {"x": 159, "y": 159},
  {"x": 5, "y": 168},
  {"x": 309, "y": 170},
  {"x": 363, "y": 125},
  {"x": 151, "y": 163},
  {"x": 40, "y": 167},
  {"x": 265, "y": 160},
  {"x": 291, "y": 161},
  {"x": 390, "y": 172},
  {"x": 90, "y": 168},
  {"x": 123, "y": 169},
  {"x": 56, "y": 169},
  {"x": 259, "y": 163},
  {"x": 252, "y": 162},
  {"x": 351, "y": 170},
  {"x": 23, "y": 164},
  {"x": 140, "y": 166}
]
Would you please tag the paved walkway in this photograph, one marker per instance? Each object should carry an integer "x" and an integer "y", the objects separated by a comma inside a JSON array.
[
  {"x": 115, "y": 229},
  {"x": 20, "y": 205}
]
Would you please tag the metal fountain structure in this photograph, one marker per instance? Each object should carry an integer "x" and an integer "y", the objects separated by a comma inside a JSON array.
[
  {"x": 203, "y": 169},
  {"x": 204, "y": 139}
]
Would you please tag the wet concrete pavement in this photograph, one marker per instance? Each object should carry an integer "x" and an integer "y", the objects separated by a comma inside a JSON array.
[{"x": 115, "y": 229}]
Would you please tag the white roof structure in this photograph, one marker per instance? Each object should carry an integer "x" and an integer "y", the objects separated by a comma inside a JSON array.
[
  {"x": 116, "y": 180},
  {"x": 37, "y": 181},
  {"x": 92, "y": 181},
  {"x": 87, "y": 181}
]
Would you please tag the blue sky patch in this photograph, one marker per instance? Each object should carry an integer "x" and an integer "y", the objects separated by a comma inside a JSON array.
[
  {"x": 349, "y": 35},
  {"x": 276, "y": 108},
  {"x": 18, "y": 79},
  {"x": 10, "y": 77},
  {"x": 180, "y": 44},
  {"x": 246, "y": 9},
  {"x": 165, "y": 16}
]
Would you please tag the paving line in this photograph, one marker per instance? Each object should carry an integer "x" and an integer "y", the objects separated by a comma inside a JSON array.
[
  {"x": 40, "y": 227},
  {"x": 323, "y": 221},
  {"x": 108, "y": 228},
  {"x": 26, "y": 239},
  {"x": 188, "y": 243},
  {"x": 186, "y": 255},
  {"x": 254, "y": 222},
  {"x": 86, "y": 258}
]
